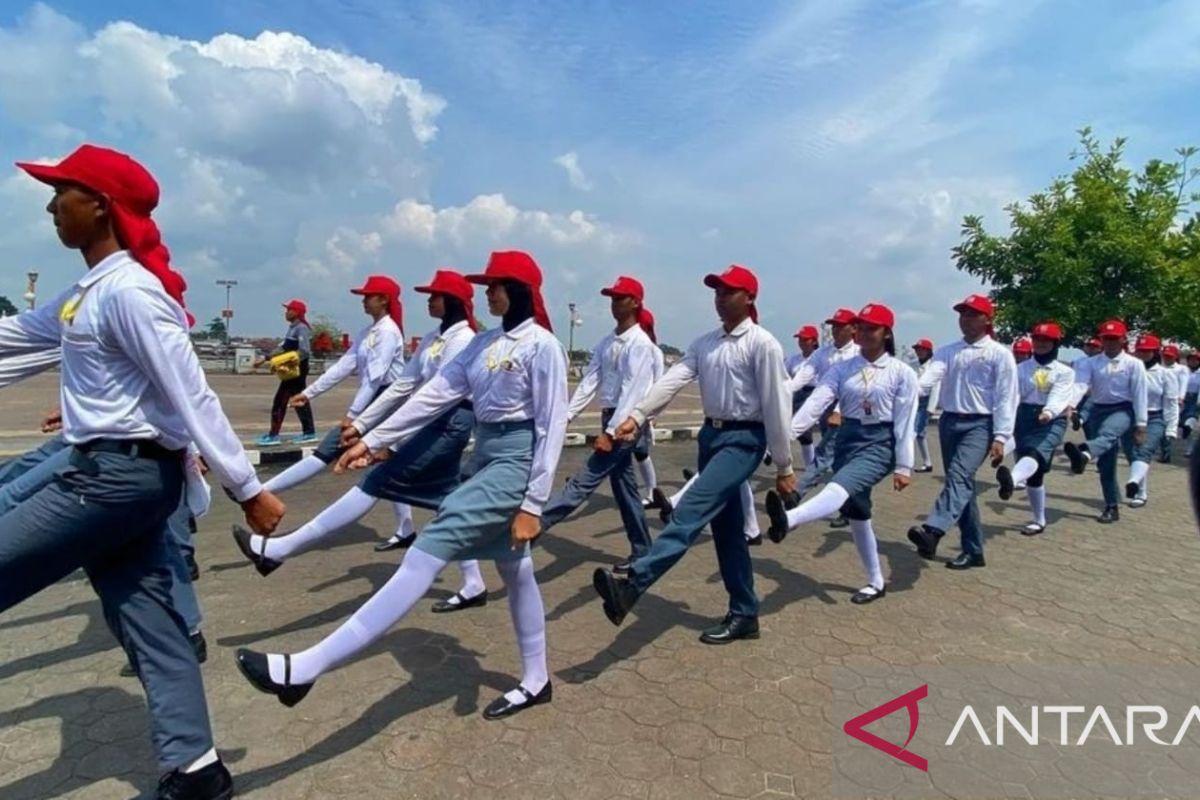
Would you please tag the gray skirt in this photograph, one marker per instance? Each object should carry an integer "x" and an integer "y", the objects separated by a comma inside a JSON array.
[
  {"x": 426, "y": 468},
  {"x": 1035, "y": 439},
  {"x": 865, "y": 455},
  {"x": 475, "y": 520},
  {"x": 1156, "y": 431}
]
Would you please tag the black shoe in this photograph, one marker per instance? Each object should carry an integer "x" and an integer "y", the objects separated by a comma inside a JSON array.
[
  {"x": 923, "y": 469},
  {"x": 791, "y": 500},
  {"x": 622, "y": 567},
  {"x": 649, "y": 503},
  {"x": 840, "y": 522},
  {"x": 501, "y": 708},
  {"x": 264, "y": 565},
  {"x": 926, "y": 539},
  {"x": 1076, "y": 421},
  {"x": 445, "y": 606},
  {"x": 1131, "y": 490},
  {"x": 663, "y": 504},
  {"x": 688, "y": 474},
  {"x": 1165, "y": 458},
  {"x": 778, "y": 529},
  {"x": 193, "y": 567},
  {"x": 1004, "y": 478},
  {"x": 731, "y": 629},
  {"x": 767, "y": 460},
  {"x": 1111, "y": 514},
  {"x": 754, "y": 541},
  {"x": 253, "y": 667},
  {"x": 1077, "y": 455},
  {"x": 867, "y": 594},
  {"x": 966, "y": 561},
  {"x": 393, "y": 543},
  {"x": 618, "y": 594},
  {"x": 199, "y": 647},
  {"x": 210, "y": 783}
]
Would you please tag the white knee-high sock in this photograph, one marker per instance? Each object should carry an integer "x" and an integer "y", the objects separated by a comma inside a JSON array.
[
  {"x": 751, "y": 516},
  {"x": 385, "y": 608},
  {"x": 350, "y": 507},
  {"x": 1037, "y": 503},
  {"x": 825, "y": 503},
  {"x": 529, "y": 622},
  {"x": 1023, "y": 470},
  {"x": 472, "y": 579},
  {"x": 868, "y": 550},
  {"x": 677, "y": 498},
  {"x": 1138, "y": 471},
  {"x": 295, "y": 474},
  {"x": 648, "y": 475},
  {"x": 808, "y": 452},
  {"x": 404, "y": 523},
  {"x": 923, "y": 449},
  {"x": 1144, "y": 492}
]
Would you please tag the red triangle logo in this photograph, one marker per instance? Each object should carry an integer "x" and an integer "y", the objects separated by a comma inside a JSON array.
[{"x": 856, "y": 728}]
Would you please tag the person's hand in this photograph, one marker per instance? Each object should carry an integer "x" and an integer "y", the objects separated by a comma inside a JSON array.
[
  {"x": 259, "y": 364},
  {"x": 525, "y": 528},
  {"x": 627, "y": 431},
  {"x": 347, "y": 422},
  {"x": 357, "y": 457},
  {"x": 52, "y": 422},
  {"x": 202, "y": 465},
  {"x": 900, "y": 482},
  {"x": 997, "y": 453},
  {"x": 835, "y": 419},
  {"x": 298, "y": 401},
  {"x": 1139, "y": 436},
  {"x": 350, "y": 436},
  {"x": 785, "y": 485},
  {"x": 263, "y": 512},
  {"x": 1044, "y": 418},
  {"x": 603, "y": 443}
]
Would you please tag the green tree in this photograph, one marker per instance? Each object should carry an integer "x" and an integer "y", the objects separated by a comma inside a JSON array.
[
  {"x": 216, "y": 329},
  {"x": 1102, "y": 242},
  {"x": 7, "y": 309}
]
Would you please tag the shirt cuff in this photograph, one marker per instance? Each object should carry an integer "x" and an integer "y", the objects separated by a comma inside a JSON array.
[
  {"x": 358, "y": 426},
  {"x": 784, "y": 470},
  {"x": 905, "y": 471},
  {"x": 250, "y": 489},
  {"x": 638, "y": 415},
  {"x": 531, "y": 506},
  {"x": 1000, "y": 437},
  {"x": 372, "y": 442}
]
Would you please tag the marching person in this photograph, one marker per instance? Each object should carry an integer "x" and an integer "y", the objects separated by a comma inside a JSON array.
[
  {"x": 645, "y": 444},
  {"x": 1162, "y": 418},
  {"x": 516, "y": 375},
  {"x": 1115, "y": 383},
  {"x": 979, "y": 404},
  {"x": 666, "y": 506},
  {"x": 1190, "y": 394},
  {"x": 808, "y": 338},
  {"x": 1091, "y": 348},
  {"x": 877, "y": 393},
  {"x": 420, "y": 472},
  {"x": 298, "y": 339},
  {"x": 1046, "y": 386},
  {"x": 744, "y": 392},
  {"x": 133, "y": 397},
  {"x": 928, "y": 388},
  {"x": 620, "y": 372},
  {"x": 1022, "y": 350},
  {"x": 1172, "y": 364}
]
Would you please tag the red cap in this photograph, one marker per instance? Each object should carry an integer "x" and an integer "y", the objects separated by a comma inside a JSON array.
[
  {"x": 519, "y": 266},
  {"x": 1095, "y": 342},
  {"x": 925, "y": 343},
  {"x": 133, "y": 194},
  {"x": 977, "y": 302},
  {"x": 449, "y": 282},
  {"x": 1171, "y": 350},
  {"x": 843, "y": 316},
  {"x": 382, "y": 284},
  {"x": 297, "y": 306},
  {"x": 1112, "y": 329},
  {"x": 1022, "y": 346},
  {"x": 736, "y": 277},
  {"x": 876, "y": 314},
  {"x": 625, "y": 287},
  {"x": 1148, "y": 341},
  {"x": 1048, "y": 330},
  {"x": 808, "y": 332}
]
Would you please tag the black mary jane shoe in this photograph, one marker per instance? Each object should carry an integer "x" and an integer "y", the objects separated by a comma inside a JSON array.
[
  {"x": 867, "y": 594},
  {"x": 445, "y": 606},
  {"x": 663, "y": 504},
  {"x": 264, "y": 565},
  {"x": 840, "y": 522},
  {"x": 501, "y": 707},
  {"x": 393, "y": 543},
  {"x": 254, "y": 668},
  {"x": 924, "y": 469},
  {"x": 1033, "y": 529},
  {"x": 1077, "y": 455},
  {"x": 688, "y": 474},
  {"x": 755, "y": 541}
]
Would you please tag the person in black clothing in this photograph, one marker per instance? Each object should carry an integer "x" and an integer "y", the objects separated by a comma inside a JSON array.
[{"x": 299, "y": 338}]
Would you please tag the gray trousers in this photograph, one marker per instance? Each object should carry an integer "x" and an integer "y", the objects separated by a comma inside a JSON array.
[
  {"x": 107, "y": 513},
  {"x": 965, "y": 441},
  {"x": 1106, "y": 427},
  {"x": 617, "y": 466},
  {"x": 822, "y": 466}
]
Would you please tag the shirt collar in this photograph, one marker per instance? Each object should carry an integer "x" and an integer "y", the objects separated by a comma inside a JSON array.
[
  {"x": 522, "y": 329},
  {"x": 628, "y": 334},
  {"x": 740, "y": 330},
  {"x": 880, "y": 362},
  {"x": 846, "y": 348},
  {"x": 983, "y": 341},
  {"x": 106, "y": 267},
  {"x": 453, "y": 329}
]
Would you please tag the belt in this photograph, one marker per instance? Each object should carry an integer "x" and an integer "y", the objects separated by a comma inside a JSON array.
[
  {"x": 966, "y": 416},
  {"x": 135, "y": 448},
  {"x": 733, "y": 424},
  {"x": 466, "y": 405}
]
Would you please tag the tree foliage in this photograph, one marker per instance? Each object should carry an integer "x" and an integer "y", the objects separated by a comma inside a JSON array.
[
  {"x": 7, "y": 309},
  {"x": 1100, "y": 243}
]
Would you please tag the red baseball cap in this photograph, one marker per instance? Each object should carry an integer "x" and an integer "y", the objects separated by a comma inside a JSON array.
[
  {"x": 979, "y": 303},
  {"x": 1148, "y": 341},
  {"x": 1112, "y": 329},
  {"x": 1023, "y": 346},
  {"x": 1171, "y": 350},
  {"x": 297, "y": 306},
  {"x": 876, "y": 314},
  {"x": 1048, "y": 330},
  {"x": 378, "y": 284},
  {"x": 843, "y": 316},
  {"x": 1094, "y": 342},
  {"x": 519, "y": 266},
  {"x": 625, "y": 287},
  {"x": 447, "y": 281},
  {"x": 736, "y": 277},
  {"x": 924, "y": 343},
  {"x": 808, "y": 332}
]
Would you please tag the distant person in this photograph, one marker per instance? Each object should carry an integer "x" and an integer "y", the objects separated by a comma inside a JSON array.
[{"x": 298, "y": 339}]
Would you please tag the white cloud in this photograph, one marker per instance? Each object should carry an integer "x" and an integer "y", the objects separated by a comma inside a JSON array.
[{"x": 570, "y": 163}]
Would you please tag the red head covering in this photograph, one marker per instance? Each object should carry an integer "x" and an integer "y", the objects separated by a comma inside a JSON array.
[
  {"x": 515, "y": 265},
  {"x": 978, "y": 303},
  {"x": 1095, "y": 342},
  {"x": 1112, "y": 329},
  {"x": 447, "y": 281},
  {"x": 625, "y": 287},
  {"x": 646, "y": 320},
  {"x": 843, "y": 316},
  {"x": 1171, "y": 351},
  {"x": 808, "y": 332},
  {"x": 132, "y": 193},
  {"x": 925, "y": 343},
  {"x": 382, "y": 284},
  {"x": 1023, "y": 346},
  {"x": 876, "y": 314},
  {"x": 1148, "y": 341},
  {"x": 736, "y": 277},
  {"x": 1048, "y": 330},
  {"x": 299, "y": 308}
]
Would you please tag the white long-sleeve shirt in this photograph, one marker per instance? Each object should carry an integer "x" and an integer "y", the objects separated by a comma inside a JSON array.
[
  {"x": 510, "y": 376},
  {"x": 436, "y": 349},
  {"x": 377, "y": 357},
  {"x": 815, "y": 366},
  {"x": 929, "y": 382},
  {"x": 978, "y": 378},
  {"x": 884, "y": 390},
  {"x": 1162, "y": 394},
  {"x": 1051, "y": 385},
  {"x": 1181, "y": 373},
  {"x": 741, "y": 377},
  {"x": 18, "y": 366},
  {"x": 129, "y": 371},
  {"x": 1193, "y": 383},
  {"x": 620, "y": 372},
  {"x": 1113, "y": 380},
  {"x": 793, "y": 363}
]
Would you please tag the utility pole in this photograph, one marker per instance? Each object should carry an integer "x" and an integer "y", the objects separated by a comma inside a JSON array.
[
  {"x": 31, "y": 290},
  {"x": 227, "y": 312},
  {"x": 576, "y": 321}
]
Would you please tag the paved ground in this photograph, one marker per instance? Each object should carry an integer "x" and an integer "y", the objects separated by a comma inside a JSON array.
[{"x": 643, "y": 711}]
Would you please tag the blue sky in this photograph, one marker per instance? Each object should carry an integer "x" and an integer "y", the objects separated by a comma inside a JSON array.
[{"x": 831, "y": 146}]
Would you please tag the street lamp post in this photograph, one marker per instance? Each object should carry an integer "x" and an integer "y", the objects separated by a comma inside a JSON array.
[
  {"x": 576, "y": 321},
  {"x": 31, "y": 289},
  {"x": 227, "y": 312}
]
